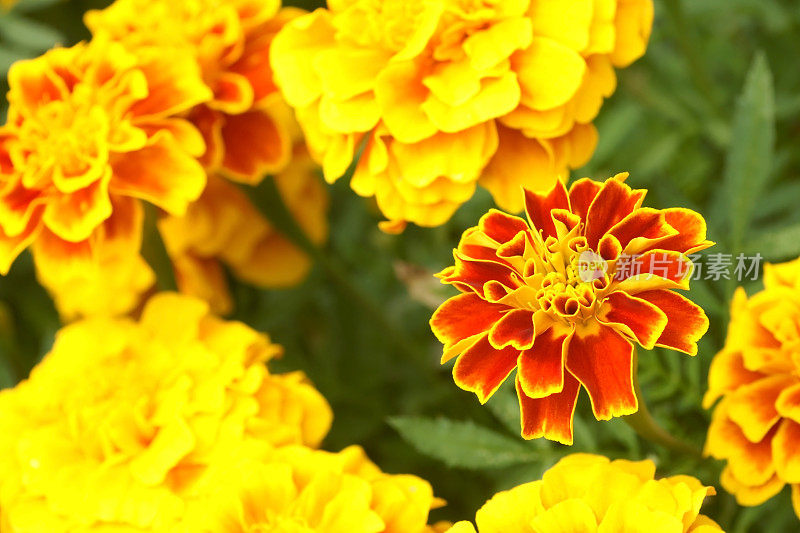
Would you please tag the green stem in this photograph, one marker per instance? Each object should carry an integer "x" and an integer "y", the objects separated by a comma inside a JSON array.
[
  {"x": 645, "y": 425},
  {"x": 270, "y": 202}
]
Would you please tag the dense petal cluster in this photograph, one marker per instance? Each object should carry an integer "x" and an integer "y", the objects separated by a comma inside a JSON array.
[
  {"x": 590, "y": 494},
  {"x": 245, "y": 124},
  {"x": 756, "y": 425},
  {"x": 444, "y": 94},
  {"x": 90, "y": 131},
  {"x": 122, "y": 421},
  {"x": 564, "y": 296},
  {"x": 224, "y": 228},
  {"x": 295, "y": 489}
]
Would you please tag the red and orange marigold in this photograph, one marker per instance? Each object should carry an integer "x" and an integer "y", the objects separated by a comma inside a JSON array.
[
  {"x": 756, "y": 425},
  {"x": 91, "y": 130},
  {"x": 564, "y": 296}
]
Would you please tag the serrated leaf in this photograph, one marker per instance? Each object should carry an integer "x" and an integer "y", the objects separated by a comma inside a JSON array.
[
  {"x": 463, "y": 444},
  {"x": 749, "y": 160}
]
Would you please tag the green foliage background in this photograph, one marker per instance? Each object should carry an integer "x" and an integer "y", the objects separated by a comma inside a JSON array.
[{"x": 709, "y": 119}]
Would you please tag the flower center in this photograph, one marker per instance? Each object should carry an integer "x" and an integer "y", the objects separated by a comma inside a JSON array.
[{"x": 569, "y": 278}]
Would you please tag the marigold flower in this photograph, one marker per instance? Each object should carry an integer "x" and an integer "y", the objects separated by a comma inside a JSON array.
[
  {"x": 563, "y": 297},
  {"x": 90, "y": 131},
  {"x": 298, "y": 489},
  {"x": 756, "y": 425},
  {"x": 445, "y": 94},
  {"x": 121, "y": 421},
  {"x": 589, "y": 493},
  {"x": 246, "y": 125},
  {"x": 223, "y": 227}
]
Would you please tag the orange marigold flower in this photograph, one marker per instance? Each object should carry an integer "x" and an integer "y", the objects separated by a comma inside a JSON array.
[
  {"x": 246, "y": 125},
  {"x": 223, "y": 227},
  {"x": 445, "y": 94},
  {"x": 756, "y": 425},
  {"x": 90, "y": 131},
  {"x": 563, "y": 297},
  {"x": 589, "y": 493}
]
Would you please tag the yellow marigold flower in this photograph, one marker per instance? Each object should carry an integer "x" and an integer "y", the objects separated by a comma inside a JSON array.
[
  {"x": 246, "y": 128},
  {"x": 120, "y": 422},
  {"x": 223, "y": 227},
  {"x": 564, "y": 296},
  {"x": 589, "y": 493},
  {"x": 90, "y": 131},
  {"x": 298, "y": 489},
  {"x": 446, "y": 94},
  {"x": 756, "y": 425}
]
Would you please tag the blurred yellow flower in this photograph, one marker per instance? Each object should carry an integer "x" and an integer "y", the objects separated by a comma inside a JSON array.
[
  {"x": 756, "y": 425},
  {"x": 223, "y": 227},
  {"x": 245, "y": 124},
  {"x": 295, "y": 489},
  {"x": 445, "y": 94},
  {"x": 119, "y": 424},
  {"x": 90, "y": 132},
  {"x": 589, "y": 493}
]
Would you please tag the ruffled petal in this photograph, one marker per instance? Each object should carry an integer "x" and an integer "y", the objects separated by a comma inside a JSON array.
[
  {"x": 602, "y": 360},
  {"x": 686, "y": 321},
  {"x": 482, "y": 368},
  {"x": 538, "y": 207},
  {"x": 614, "y": 202},
  {"x": 463, "y": 316},
  {"x": 549, "y": 417},
  {"x": 541, "y": 368},
  {"x": 515, "y": 329},
  {"x": 640, "y": 319},
  {"x": 785, "y": 453}
]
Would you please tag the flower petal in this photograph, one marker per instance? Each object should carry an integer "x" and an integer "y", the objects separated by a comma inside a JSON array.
[
  {"x": 515, "y": 329},
  {"x": 73, "y": 217},
  {"x": 752, "y": 406},
  {"x": 482, "y": 368},
  {"x": 602, "y": 360},
  {"x": 549, "y": 73},
  {"x": 500, "y": 226},
  {"x": 463, "y": 316},
  {"x": 255, "y": 145},
  {"x": 11, "y": 247},
  {"x": 582, "y": 194},
  {"x": 686, "y": 321},
  {"x": 613, "y": 203},
  {"x": 785, "y": 453},
  {"x": 538, "y": 207},
  {"x": 541, "y": 368},
  {"x": 788, "y": 403},
  {"x": 549, "y": 417},
  {"x": 691, "y": 231},
  {"x": 640, "y": 319}
]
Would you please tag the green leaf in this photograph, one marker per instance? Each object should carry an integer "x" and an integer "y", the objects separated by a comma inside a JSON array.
[
  {"x": 749, "y": 160},
  {"x": 28, "y": 34},
  {"x": 463, "y": 444},
  {"x": 505, "y": 408}
]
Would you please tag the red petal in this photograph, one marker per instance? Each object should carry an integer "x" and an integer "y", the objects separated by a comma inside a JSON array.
[
  {"x": 581, "y": 195},
  {"x": 609, "y": 248},
  {"x": 514, "y": 329},
  {"x": 463, "y": 316},
  {"x": 549, "y": 417},
  {"x": 686, "y": 321},
  {"x": 691, "y": 227},
  {"x": 482, "y": 369},
  {"x": 644, "y": 225},
  {"x": 538, "y": 207},
  {"x": 654, "y": 269},
  {"x": 476, "y": 273},
  {"x": 541, "y": 369},
  {"x": 11, "y": 247},
  {"x": 603, "y": 363},
  {"x": 613, "y": 203},
  {"x": 500, "y": 226},
  {"x": 643, "y": 321},
  {"x": 248, "y": 160}
]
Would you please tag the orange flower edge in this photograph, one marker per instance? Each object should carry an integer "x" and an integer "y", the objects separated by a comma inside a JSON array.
[{"x": 564, "y": 296}]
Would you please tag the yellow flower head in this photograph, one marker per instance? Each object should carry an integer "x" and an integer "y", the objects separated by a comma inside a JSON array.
[
  {"x": 756, "y": 425},
  {"x": 245, "y": 124},
  {"x": 298, "y": 490},
  {"x": 121, "y": 421},
  {"x": 223, "y": 227},
  {"x": 90, "y": 132},
  {"x": 445, "y": 94},
  {"x": 589, "y": 493}
]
